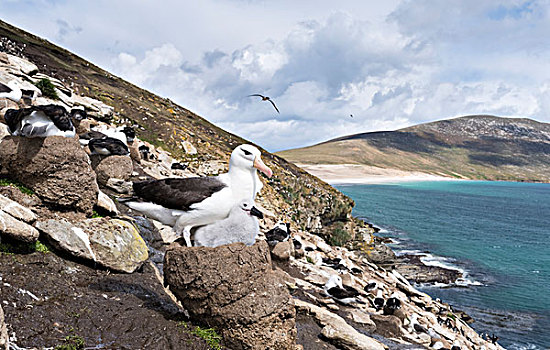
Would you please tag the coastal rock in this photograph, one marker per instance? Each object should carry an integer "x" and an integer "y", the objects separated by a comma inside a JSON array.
[
  {"x": 16, "y": 210},
  {"x": 388, "y": 325},
  {"x": 16, "y": 229},
  {"x": 188, "y": 148},
  {"x": 118, "y": 167},
  {"x": 119, "y": 185},
  {"x": 233, "y": 288},
  {"x": 56, "y": 168},
  {"x": 22, "y": 64},
  {"x": 282, "y": 250},
  {"x": 337, "y": 330},
  {"x": 112, "y": 243},
  {"x": 105, "y": 203},
  {"x": 4, "y": 340},
  {"x": 3, "y": 127}
]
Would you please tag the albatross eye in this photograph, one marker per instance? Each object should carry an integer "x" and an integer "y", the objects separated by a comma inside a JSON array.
[
  {"x": 246, "y": 153},
  {"x": 245, "y": 205}
]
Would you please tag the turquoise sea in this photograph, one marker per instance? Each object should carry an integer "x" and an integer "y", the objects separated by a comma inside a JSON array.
[{"x": 498, "y": 233}]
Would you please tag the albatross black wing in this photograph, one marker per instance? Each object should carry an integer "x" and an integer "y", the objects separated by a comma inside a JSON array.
[
  {"x": 58, "y": 115},
  {"x": 5, "y": 88},
  {"x": 176, "y": 193},
  {"x": 273, "y": 103},
  {"x": 262, "y": 96}
]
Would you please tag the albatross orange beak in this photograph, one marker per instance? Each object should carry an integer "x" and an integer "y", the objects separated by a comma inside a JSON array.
[{"x": 258, "y": 164}]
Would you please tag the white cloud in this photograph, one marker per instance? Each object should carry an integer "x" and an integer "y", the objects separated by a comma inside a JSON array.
[{"x": 390, "y": 65}]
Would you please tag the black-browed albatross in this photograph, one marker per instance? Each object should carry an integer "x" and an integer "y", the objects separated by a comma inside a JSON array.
[
  {"x": 184, "y": 203},
  {"x": 40, "y": 121}
]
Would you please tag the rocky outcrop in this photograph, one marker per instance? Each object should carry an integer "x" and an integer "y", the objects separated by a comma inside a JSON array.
[
  {"x": 337, "y": 330},
  {"x": 113, "y": 243},
  {"x": 4, "y": 340},
  {"x": 15, "y": 221},
  {"x": 56, "y": 168},
  {"x": 234, "y": 289}
]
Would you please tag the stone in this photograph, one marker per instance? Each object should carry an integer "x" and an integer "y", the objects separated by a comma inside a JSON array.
[
  {"x": 106, "y": 203},
  {"x": 363, "y": 319},
  {"x": 16, "y": 210},
  {"x": 56, "y": 168},
  {"x": 188, "y": 148},
  {"x": 16, "y": 229},
  {"x": 119, "y": 167},
  {"x": 387, "y": 325},
  {"x": 337, "y": 330},
  {"x": 167, "y": 234},
  {"x": 120, "y": 186},
  {"x": 112, "y": 243},
  {"x": 4, "y": 339},
  {"x": 233, "y": 288},
  {"x": 23, "y": 65},
  {"x": 282, "y": 250}
]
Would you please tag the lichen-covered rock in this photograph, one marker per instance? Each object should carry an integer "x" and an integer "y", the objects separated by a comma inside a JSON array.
[
  {"x": 56, "y": 168},
  {"x": 119, "y": 167},
  {"x": 16, "y": 229},
  {"x": 113, "y": 243},
  {"x": 4, "y": 340},
  {"x": 234, "y": 289}
]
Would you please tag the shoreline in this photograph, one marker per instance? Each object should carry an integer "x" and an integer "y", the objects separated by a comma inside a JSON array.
[{"x": 343, "y": 174}]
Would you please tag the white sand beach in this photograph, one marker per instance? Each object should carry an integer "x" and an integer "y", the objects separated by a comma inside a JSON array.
[{"x": 364, "y": 174}]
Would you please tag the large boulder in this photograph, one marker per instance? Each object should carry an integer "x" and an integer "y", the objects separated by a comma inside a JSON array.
[
  {"x": 112, "y": 243},
  {"x": 234, "y": 289},
  {"x": 56, "y": 168}
]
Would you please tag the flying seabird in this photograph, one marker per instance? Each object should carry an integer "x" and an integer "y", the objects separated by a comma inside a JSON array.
[
  {"x": 184, "y": 203},
  {"x": 40, "y": 121},
  {"x": 108, "y": 146},
  {"x": 342, "y": 294},
  {"x": 267, "y": 98},
  {"x": 10, "y": 91},
  {"x": 279, "y": 233},
  {"x": 240, "y": 226}
]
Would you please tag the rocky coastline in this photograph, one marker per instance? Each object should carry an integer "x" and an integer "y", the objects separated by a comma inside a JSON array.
[{"x": 79, "y": 269}]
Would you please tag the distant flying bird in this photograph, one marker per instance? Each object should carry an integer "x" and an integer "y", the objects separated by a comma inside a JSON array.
[
  {"x": 266, "y": 98},
  {"x": 351, "y": 115}
]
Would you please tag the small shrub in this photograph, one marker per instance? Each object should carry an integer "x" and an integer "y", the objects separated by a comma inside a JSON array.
[
  {"x": 71, "y": 342},
  {"x": 15, "y": 247},
  {"x": 210, "y": 335},
  {"x": 339, "y": 237},
  {"x": 47, "y": 88}
]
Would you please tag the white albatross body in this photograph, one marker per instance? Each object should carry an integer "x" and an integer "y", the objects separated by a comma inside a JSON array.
[{"x": 187, "y": 203}]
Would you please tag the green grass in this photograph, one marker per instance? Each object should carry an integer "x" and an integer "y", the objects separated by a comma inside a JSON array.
[
  {"x": 15, "y": 247},
  {"x": 210, "y": 335},
  {"x": 47, "y": 88},
  {"x": 8, "y": 182},
  {"x": 339, "y": 237},
  {"x": 95, "y": 214}
]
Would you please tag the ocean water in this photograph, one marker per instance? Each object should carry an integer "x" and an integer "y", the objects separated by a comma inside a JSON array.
[{"x": 497, "y": 233}]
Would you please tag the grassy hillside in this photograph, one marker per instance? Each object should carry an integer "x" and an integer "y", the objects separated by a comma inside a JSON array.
[
  {"x": 292, "y": 193},
  {"x": 474, "y": 147}
]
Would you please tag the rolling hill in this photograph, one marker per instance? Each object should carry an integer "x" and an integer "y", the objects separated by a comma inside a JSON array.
[{"x": 471, "y": 147}]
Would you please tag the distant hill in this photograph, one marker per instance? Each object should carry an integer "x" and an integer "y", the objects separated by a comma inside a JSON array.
[{"x": 473, "y": 147}]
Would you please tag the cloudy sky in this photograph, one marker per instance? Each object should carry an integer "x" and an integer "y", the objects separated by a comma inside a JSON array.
[{"x": 388, "y": 63}]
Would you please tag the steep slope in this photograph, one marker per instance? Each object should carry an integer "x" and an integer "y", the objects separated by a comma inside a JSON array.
[
  {"x": 291, "y": 193},
  {"x": 475, "y": 147}
]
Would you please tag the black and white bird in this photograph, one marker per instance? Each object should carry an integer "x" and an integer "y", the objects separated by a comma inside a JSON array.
[
  {"x": 415, "y": 326},
  {"x": 378, "y": 302},
  {"x": 240, "y": 226},
  {"x": 342, "y": 294},
  {"x": 266, "y": 98},
  {"x": 297, "y": 242},
  {"x": 279, "y": 233},
  {"x": 40, "y": 121},
  {"x": 125, "y": 134},
  {"x": 184, "y": 203},
  {"x": 11, "y": 91},
  {"x": 86, "y": 137},
  {"x": 370, "y": 286},
  {"x": 392, "y": 304},
  {"x": 177, "y": 166},
  {"x": 144, "y": 152},
  {"x": 108, "y": 146}
]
